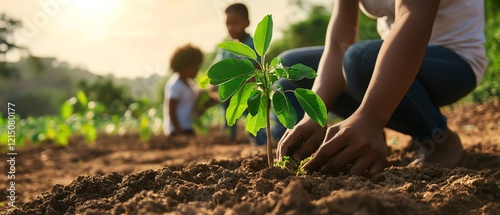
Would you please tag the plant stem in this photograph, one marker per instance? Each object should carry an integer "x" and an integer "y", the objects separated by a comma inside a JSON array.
[
  {"x": 267, "y": 92},
  {"x": 270, "y": 158}
]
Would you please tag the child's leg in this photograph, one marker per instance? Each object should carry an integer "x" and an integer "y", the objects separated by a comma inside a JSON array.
[{"x": 443, "y": 78}]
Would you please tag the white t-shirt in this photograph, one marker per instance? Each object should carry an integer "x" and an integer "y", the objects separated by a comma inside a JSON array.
[
  {"x": 186, "y": 94},
  {"x": 459, "y": 26}
]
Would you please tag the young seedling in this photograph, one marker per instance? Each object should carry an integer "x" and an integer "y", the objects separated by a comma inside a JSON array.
[
  {"x": 288, "y": 163},
  {"x": 300, "y": 169},
  {"x": 255, "y": 89}
]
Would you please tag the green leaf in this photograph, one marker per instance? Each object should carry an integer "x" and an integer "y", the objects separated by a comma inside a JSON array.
[
  {"x": 63, "y": 135},
  {"x": 51, "y": 133},
  {"x": 255, "y": 123},
  {"x": 312, "y": 105},
  {"x": 204, "y": 82},
  {"x": 144, "y": 122},
  {"x": 263, "y": 35},
  {"x": 284, "y": 110},
  {"x": 144, "y": 131},
  {"x": 229, "y": 88},
  {"x": 277, "y": 62},
  {"x": 273, "y": 78},
  {"x": 260, "y": 80},
  {"x": 300, "y": 71},
  {"x": 4, "y": 138},
  {"x": 238, "y": 103},
  {"x": 228, "y": 69},
  {"x": 280, "y": 72},
  {"x": 98, "y": 108},
  {"x": 284, "y": 161},
  {"x": 239, "y": 49},
  {"x": 82, "y": 98},
  {"x": 144, "y": 134},
  {"x": 300, "y": 169},
  {"x": 254, "y": 102},
  {"x": 277, "y": 68},
  {"x": 66, "y": 110},
  {"x": 89, "y": 132}
]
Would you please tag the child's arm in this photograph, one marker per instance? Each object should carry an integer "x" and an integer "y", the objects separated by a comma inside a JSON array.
[
  {"x": 206, "y": 99},
  {"x": 172, "y": 113}
]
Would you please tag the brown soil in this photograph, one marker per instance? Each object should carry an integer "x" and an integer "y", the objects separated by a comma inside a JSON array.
[{"x": 121, "y": 175}]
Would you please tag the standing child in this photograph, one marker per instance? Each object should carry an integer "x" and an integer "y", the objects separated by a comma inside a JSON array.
[
  {"x": 181, "y": 93},
  {"x": 237, "y": 20}
]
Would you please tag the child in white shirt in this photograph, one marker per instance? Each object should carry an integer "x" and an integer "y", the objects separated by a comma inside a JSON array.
[{"x": 181, "y": 93}]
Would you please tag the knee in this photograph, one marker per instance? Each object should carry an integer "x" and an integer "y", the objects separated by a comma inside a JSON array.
[
  {"x": 286, "y": 84},
  {"x": 309, "y": 56},
  {"x": 358, "y": 64},
  {"x": 352, "y": 63}
]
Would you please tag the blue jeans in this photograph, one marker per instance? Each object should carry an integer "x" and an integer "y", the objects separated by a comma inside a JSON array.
[{"x": 443, "y": 78}]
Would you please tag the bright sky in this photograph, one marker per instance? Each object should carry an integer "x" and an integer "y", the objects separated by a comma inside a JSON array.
[{"x": 130, "y": 38}]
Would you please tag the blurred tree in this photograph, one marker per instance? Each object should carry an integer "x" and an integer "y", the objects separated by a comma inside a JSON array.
[
  {"x": 490, "y": 86},
  {"x": 309, "y": 32},
  {"x": 8, "y": 26},
  {"x": 40, "y": 102},
  {"x": 299, "y": 3},
  {"x": 312, "y": 30},
  {"x": 115, "y": 98}
]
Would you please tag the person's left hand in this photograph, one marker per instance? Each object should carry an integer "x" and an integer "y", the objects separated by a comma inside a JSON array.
[{"x": 354, "y": 141}]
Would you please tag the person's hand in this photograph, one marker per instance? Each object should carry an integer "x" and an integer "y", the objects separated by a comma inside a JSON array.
[
  {"x": 213, "y": 92},
  {"x": 354, "y": 141},
  {"x": 303, "y": 140}
]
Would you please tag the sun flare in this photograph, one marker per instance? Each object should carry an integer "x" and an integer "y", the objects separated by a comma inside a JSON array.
[{"x": 95, "y": 10}]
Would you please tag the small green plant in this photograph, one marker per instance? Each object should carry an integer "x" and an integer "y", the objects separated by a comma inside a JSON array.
[
  {"x": 300, "y": 170},
  {"x": 288, "y": 163},
  {"x": 80, "y": 116},
  {"x": 255, "y": 89},
  {"x": 285, "y": 160}
]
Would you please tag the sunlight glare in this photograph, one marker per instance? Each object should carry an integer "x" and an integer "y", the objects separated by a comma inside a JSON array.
[
  {"x": 96, "y": 10},
  {"x": 92, "y": 18}
]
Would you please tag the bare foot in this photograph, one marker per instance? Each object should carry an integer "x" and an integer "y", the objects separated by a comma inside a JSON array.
[{"x": 445, "y": 151}]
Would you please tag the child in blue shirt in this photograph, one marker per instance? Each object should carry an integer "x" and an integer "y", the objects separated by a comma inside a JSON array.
[{"x": 237, "y": 20}]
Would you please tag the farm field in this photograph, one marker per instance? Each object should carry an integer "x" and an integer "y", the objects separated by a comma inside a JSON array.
[
  {"x": 211, "y": 175},
  {"x": 86, "y": 100}
]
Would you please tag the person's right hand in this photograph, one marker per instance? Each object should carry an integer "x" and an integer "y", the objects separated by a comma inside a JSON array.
[{"x": 301, "y": 141}]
